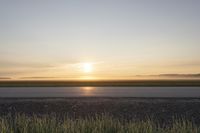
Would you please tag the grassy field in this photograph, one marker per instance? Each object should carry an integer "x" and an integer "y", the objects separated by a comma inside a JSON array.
[
  {"x": 99, "y": 124},
  {"x": 54, "y": 83}
]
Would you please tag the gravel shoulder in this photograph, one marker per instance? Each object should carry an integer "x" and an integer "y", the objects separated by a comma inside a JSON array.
[{"x": 158, "y": 109}]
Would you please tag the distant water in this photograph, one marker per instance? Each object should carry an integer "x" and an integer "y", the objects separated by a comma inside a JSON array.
[{"x": 99, "y": 91}]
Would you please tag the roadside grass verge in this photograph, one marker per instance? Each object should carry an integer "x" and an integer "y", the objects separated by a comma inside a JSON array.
[{"x": 21, "y": 123}]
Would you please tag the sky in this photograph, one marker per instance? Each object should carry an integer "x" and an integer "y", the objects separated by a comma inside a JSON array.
[{"x": 117, "y": 39}]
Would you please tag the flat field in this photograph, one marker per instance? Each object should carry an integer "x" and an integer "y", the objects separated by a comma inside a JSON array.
[{"x": 59, "y": 83}]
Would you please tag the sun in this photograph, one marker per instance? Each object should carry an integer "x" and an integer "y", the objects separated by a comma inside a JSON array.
[{"x": 87, "y": 67}]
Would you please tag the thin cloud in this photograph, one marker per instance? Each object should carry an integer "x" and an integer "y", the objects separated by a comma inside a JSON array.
[
  {"x": 5, "y": 78},
  {"x": 11, "y": 64},
  {"x": 172, "y": 75},
  {"x": 39, "y": 77}
]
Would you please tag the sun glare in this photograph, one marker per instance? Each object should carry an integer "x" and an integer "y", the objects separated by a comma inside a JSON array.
[{"x": 87, "y": 67}]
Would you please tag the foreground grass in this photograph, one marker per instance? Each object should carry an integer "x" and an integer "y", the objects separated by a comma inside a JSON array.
[{"x": 98, "y": 124}]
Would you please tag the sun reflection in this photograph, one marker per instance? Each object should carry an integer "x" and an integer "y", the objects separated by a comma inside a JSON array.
[{"x": 88, "y": 90}]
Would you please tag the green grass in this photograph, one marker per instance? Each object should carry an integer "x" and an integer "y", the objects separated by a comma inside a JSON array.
[{"x": 99, "y": 124}]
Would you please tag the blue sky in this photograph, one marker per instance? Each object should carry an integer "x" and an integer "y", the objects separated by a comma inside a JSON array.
[{"x": 121, "y": 38}]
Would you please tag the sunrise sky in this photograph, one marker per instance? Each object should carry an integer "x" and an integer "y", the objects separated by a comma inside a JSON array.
[{"x": 98, "y": 39}]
